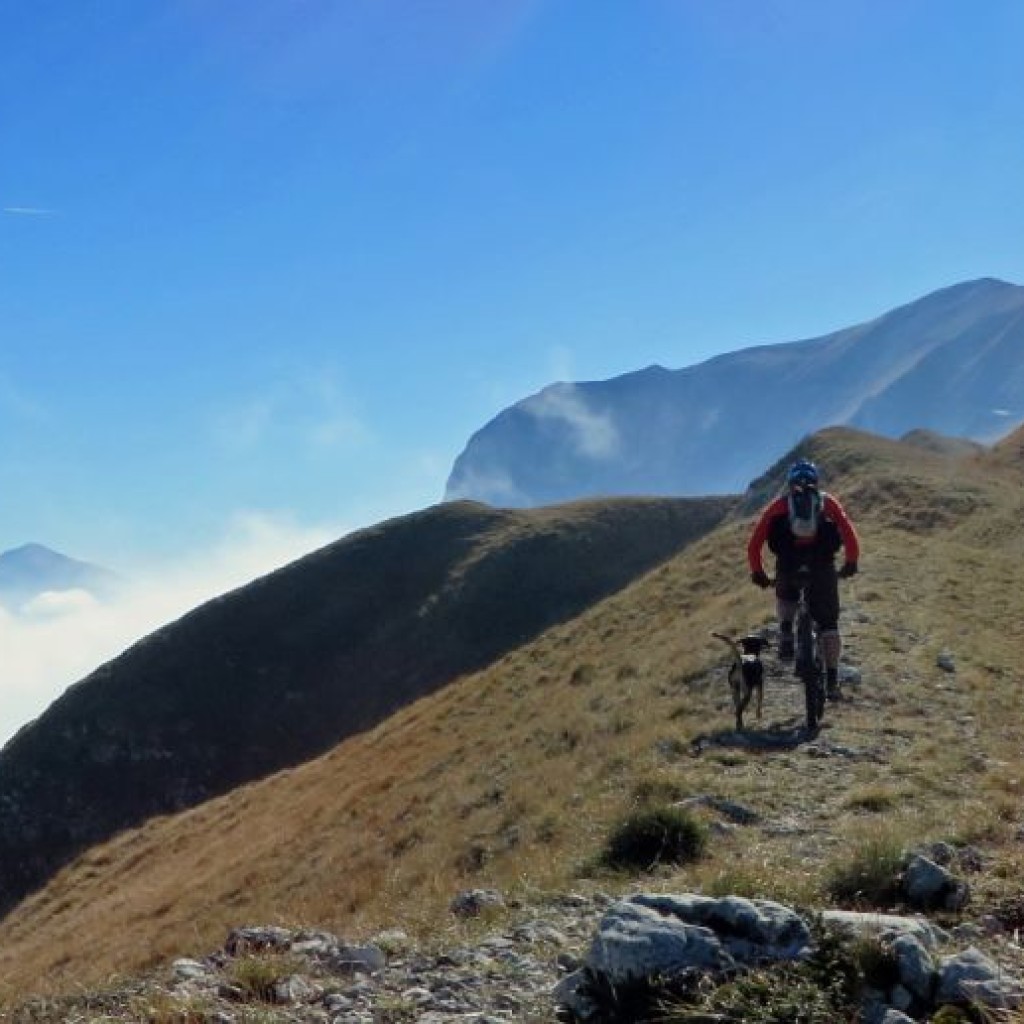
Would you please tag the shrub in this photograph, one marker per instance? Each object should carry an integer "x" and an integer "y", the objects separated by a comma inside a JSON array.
[
  {"x": 878, "y": 963},
  {"x": 655, "y": 835},
  {"x": 875, "y": 799},
  {"x": 870, "y": 875},
  {"x": 951, "y": 1015},
  {"x": 739, "y": 880},
  {"x": 782, "y": 996},
  {"x": 164, "y": 1008},
  {"x": 255, "y": 977},
  {"x": 824, "y": 989}
]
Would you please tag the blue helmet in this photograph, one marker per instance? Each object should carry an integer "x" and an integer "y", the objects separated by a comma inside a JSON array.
[{"x": 802, "y": 474}]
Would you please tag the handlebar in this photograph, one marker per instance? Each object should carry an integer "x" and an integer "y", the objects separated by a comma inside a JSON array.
[{"x": 802, "y": 576}]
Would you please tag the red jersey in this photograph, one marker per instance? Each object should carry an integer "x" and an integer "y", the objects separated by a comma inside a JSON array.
[{"x": 831, "y": 510}]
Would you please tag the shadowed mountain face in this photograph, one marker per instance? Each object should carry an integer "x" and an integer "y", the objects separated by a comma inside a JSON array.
[
  {"x": 952, "y": 363},
  {"x": 32, "y": 569},
  {"x": 278, "y": 671}
]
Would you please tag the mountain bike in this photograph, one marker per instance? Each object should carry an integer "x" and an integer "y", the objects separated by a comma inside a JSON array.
[{"x": 809, "y": 666}]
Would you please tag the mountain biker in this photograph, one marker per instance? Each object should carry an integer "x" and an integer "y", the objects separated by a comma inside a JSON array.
[{"x": 806, "y": 526}]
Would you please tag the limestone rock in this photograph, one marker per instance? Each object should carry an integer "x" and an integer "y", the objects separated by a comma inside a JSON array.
[
  {"x": 916, "y": 968},
  {"x": 473, "y": 902},
  {"x": 972, "y": 977},
  {"x": 930, "y": 886}
]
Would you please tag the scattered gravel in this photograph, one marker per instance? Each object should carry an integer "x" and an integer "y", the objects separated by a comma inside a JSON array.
[{"x": 275, "y": 976}]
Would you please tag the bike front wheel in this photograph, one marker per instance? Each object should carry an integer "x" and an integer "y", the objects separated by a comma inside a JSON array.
[{"x": 809, "y": 671}]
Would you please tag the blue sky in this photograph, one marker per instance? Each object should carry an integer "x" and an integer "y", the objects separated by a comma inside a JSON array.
[
  {"x": 265, "y": 265},
  {"x": 285, "y": 256}
]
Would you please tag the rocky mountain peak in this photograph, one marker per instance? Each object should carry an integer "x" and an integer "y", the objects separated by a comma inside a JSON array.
[
  {"x": 33, "y": 569},
  {"x": 951, "y": 362}
]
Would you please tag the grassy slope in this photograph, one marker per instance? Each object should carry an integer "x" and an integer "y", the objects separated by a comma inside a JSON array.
[
  {"x": 278, "y": 672},
  {"x": 513, "y": 775}
]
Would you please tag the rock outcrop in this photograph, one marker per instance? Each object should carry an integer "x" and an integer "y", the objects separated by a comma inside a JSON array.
[
  {"x": 573, "y": 956},
  {"x": 652, "y": 941}
]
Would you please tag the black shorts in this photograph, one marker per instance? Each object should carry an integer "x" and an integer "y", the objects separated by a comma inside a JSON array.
[{"x": 823, "y": 595}]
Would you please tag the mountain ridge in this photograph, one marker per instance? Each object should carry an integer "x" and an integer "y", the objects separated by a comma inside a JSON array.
[
  {"x": 511, "y": 776},
  {"x": 952, "y": 362},
  {"x": 282, "y": 669}
]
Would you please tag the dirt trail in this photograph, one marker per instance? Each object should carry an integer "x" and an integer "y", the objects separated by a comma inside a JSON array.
[{"x": 798, "y": 784}]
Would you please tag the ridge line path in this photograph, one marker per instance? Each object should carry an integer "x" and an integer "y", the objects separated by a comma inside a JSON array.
[{"x": 797, "y": 785}]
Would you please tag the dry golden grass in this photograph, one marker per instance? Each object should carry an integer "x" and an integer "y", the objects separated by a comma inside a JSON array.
[{"x": 514, "y": 775}]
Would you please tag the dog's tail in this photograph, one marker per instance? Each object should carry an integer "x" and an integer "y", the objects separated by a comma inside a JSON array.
[{"x": 732, "y": 643}]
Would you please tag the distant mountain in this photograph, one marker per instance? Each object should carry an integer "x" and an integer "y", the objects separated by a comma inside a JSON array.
[
  {"x": 31, "y": 570},
  {"x": 951, "y": 363},
  {"x": 280, "y": 670}
]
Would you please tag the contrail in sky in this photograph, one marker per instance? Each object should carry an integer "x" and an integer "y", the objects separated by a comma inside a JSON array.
[{"x": 28, "y": 211}]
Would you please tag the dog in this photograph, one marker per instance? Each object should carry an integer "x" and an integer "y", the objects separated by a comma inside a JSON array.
[{"x": 746, "y": 673}]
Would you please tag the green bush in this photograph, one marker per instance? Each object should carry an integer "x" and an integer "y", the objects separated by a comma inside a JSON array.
[
  {"x": 256, "y": 976},
  {"x": 783, "y": 996},
  {"x": 870, "y": 875},
  {"x": 655, "y": 835},
  {"x": 825, "y": 989}
]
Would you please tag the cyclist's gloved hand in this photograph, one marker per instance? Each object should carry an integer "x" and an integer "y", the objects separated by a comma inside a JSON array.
[
  {"x": 849, "y": 569},
  {"x": 760, "y": 578}
]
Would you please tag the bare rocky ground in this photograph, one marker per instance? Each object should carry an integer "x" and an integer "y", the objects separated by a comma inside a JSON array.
[{"x": 275, "y": 976}]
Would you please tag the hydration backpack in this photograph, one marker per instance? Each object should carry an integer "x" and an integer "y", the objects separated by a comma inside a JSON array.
[{"x": 805, "y": 507}]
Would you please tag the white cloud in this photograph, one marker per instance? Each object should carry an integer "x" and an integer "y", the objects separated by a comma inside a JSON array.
[
  {"x": 55, "y": 603},
  {"x": 593, "y": 433},
  {"x": 560, "y": 364},
  {"x": 489, "y": 485},
  {"x": 59, "y": 638}
]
